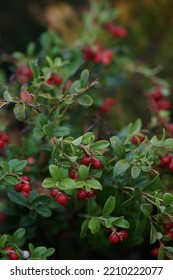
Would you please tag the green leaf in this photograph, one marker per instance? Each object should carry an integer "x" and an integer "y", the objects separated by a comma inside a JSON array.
[
  {"x": 92, "y": 208},
  {"x": 118, "y": 146},
  {"x": 83, "y": 172},
  {"x": 20, "y": 165},
  {"x": 167, "y": 199},
  {"x": 93, "y": 184},
  {"x": 19, "y": 112},
  {"x": 121, "y": 166},
  {"x": 146, "y": 209},
  {"x": 44, "y": 211},
  {"x": 17, "y": 198},
  {"x": 75, "y": 87},
  {"x": 102, "y": 144},
  {"x": 61, "y": 131},
  {"x": 153, "y": 234},
  {"x": 67, "y": 184},
  {"x": 35, "y": 68},
  {"x": 88, "y": 138},
  {"x": 94, "y": 225},
  {"x": 121, "y": 222},
  {"x": 54, "y": 170},
  {"x": 48, "y": 129},
  {"x": 7, "y": 96},
  {"x": 49, "y": 252},
  {"x": 136, "y": 127},
  {"x": 3, "y": 240},
  {"x": 85, "y": 100},
  {"x": 77, "y": 141},
  {"x": 161, "y": 253},
  {"x": 84, "y": 228},
  {"x": 109, "y": 206},
  {"x": 11, "y": 180},
  {"x": 48, "y": 183},
  {"x": 84, "y": 78},
  {"x": 19, "y": 234},
  {"x": 12, "y": 164},
  {"x": 135, "y": 171}
]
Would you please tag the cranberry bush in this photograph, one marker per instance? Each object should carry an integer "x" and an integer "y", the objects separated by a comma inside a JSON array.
[{"x": 77, "y": 163}]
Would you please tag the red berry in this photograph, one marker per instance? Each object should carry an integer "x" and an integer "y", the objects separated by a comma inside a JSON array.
[
  {"x": 170, "y": 166},
  {"x": 92, "y": 193},
  {"x": 165, "y": 160},
  {"x": 115, "y": 30},
  {"x": 5, "y": 137},
  {"x": 88, "y": 53},
  {"x": 26, "y": 187},
  {"x": 86, "y": 160},
  {"x": 18, "y": 187},
  {"x": 137, "y": 139},
  {"x": 2, "y": 143},
  {"x": 82, "y": 195},
  {"x": 114, "y": 238},
  {"x": 31, "y": 161},
  {"x": 169, "y": 234},
  {"x": 155, "y": 251},
  {"x": 73, "y": 174},
  {"x": 123, "y": 234},
  {"x": 53, "y": 193},
  {"x": 96, "y": 163},
  {"x": 54, "y": 80},
  {"x": 25, "y": 194},
  {"x": 13, "y": 256},
  {"x": 25, "y": 178},
  {"x": 170, "y": 127},
  {"x": 62, "y": 199},
  {"x": 156, "y": 95},
  {"x": 107, "y": 104},
  {"x": 168, "y": 226},
  {"x": 163, "y": 104},
  {"x": 9, "y": 249}
]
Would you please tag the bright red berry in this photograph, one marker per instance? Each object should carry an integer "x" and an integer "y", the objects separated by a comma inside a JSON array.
[
  {"x": 53, "y": 193},
  {"x": 114, "y": 238},
  {"x": 169, "y": 234},
  {"x": 107, "y": 104},
  {"x": 155, "y": 251},
  {"x": 54, "y": 80},
  {"x": 96, "y": 163},
  {"x": 26, "y": 187},
  {"x": 168, "y": 226},
  {"x": 62, "y": 199},
  {"x": 86, "y": 160},
  {"x": 5, "y": 138},
  {"x": 73, "y": 174},
  {"x": 163, "y": 104},
  {"x": 9, "y": 249},
  {"x": 82, "y": 195},
  {"x": 18, "y": 187},
  {"x": 88, "y": 53},
  {"x": 123, "y": 234},
  {"x": 13, "y": 256},
  {"x": 137, "y": 139},
  {"x": 165, "y": 160}
]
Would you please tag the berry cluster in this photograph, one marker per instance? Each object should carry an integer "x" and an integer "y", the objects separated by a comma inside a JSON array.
[
  {"x": 95, "y": 162},
  {"x": 83, "y": 194},
  {"x": 3, "y": 139},
  {"x": 23, "y": 74},
  {"x": 158, "y": 102},
  {"x": 168, "y": 231},
  {"x": 138, "y": 139},
  {"x": 98, "y": 54},
  {"x": 166, "y": 161},
  {"x": 115, "y": 30},
  {"x": 60, "y": 197},
  {"x": 54, "y": 80},
  {"x": 107, "y": 104},
  {"x": 117, "y": 235},
  {"x": 24, "y": 186}
]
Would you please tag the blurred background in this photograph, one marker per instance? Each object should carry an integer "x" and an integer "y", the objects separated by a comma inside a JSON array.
[{"x": 149, "y": 23}]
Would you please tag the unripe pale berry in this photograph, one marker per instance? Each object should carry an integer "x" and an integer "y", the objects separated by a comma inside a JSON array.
[{"x": 25, "y": 254}]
